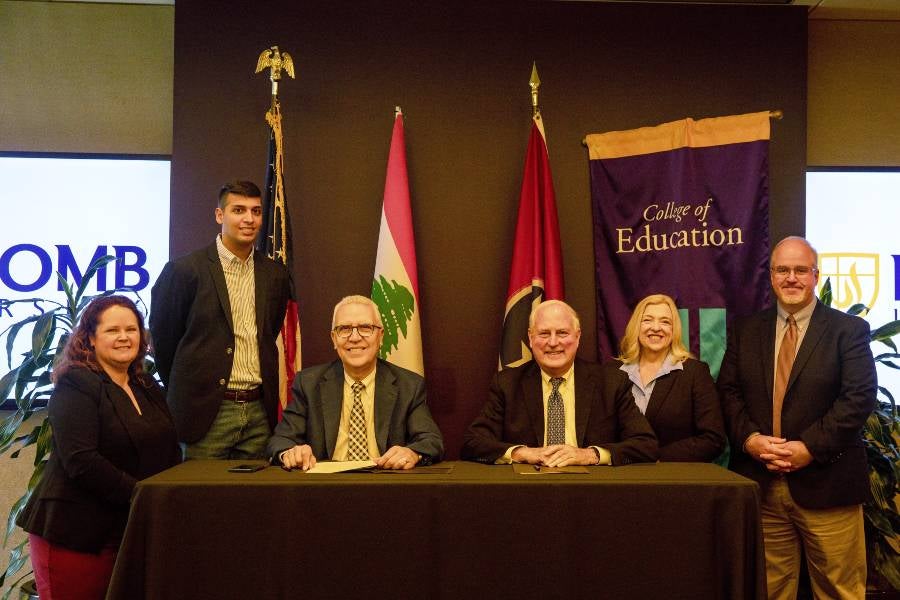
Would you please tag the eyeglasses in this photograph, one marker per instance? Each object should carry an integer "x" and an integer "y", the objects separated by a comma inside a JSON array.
[
  {"x": 799, "y": 271},
  {"x": 364, "y": 330},
  {"x": 545, "y": 335}
]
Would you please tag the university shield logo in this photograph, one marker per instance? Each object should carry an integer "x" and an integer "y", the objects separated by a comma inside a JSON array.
[{"x": 854, "y": 277}]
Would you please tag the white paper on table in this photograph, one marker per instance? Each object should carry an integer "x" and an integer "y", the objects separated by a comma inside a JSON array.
[{"x": 341, "y": 466}]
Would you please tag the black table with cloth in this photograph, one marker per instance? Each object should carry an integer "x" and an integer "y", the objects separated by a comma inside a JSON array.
[{"x": 673, "y": 530}]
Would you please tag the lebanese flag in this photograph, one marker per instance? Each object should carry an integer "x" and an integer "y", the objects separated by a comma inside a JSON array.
[
  {"x": 395, "y": 286},
  {"x": 536, "y": 273}
]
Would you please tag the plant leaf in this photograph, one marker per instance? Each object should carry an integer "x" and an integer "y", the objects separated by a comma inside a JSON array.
[
  {"x": 14, "y": 514},
  {"x": 886, "y": 331},
  {"x": 9, "y": 428},
  {"x": 7, "y": 382},
  {"x": 858, "y": 309},
  {"x": 44, "y": 442},
  {"x": 825, "y": 292},
  {"x": 27, "y": 440},
  {"x": 42, "y": 333},
  {"x": 67, "y": 290},
  {"x": 13, "y": 331},
  {"x": 88, "y": 275},
  {"x": 17, "y": 559}
]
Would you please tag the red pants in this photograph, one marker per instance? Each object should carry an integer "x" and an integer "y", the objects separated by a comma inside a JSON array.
[{"x": 63, "y": 574}]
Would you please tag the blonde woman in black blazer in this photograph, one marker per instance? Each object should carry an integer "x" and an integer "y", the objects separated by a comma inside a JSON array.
[
  {"x": 674, "y": 391},
  {"x": 111, "y": 428}
]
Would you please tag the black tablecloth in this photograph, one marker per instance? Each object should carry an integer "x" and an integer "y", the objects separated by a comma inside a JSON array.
[{"x": 479, "y": 531}]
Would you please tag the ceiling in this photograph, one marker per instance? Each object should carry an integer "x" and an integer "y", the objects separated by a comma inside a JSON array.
[{"x": 864, "y": 10}]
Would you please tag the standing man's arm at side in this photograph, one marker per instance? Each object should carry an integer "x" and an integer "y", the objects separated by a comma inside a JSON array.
[
  {"x": 839, "y": 427},
  {"x": 171, "y": 298},
  {"x": 737, "y": 421}
]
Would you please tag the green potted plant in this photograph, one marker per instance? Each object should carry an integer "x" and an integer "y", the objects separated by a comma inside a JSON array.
[
  {"x": 881, "y": 434},
  {"x": 28, "y": 382}
]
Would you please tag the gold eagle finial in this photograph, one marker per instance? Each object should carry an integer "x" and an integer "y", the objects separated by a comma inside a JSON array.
[{"x": 275, "y": 60}]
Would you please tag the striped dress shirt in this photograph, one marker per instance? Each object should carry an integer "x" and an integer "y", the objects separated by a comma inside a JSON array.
[{"x": 245, "y": 372}]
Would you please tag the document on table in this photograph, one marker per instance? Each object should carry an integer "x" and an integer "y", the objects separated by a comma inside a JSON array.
[
  {"x": 428, "y": 470},
  {"x": 341, "y": 466},
  {"x": 523, "y": 469}
]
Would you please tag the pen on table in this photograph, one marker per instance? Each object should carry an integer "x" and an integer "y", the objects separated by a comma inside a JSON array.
[{"x": 537, "y": 468}]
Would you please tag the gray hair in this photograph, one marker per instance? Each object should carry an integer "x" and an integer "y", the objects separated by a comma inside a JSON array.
[
  {"x": 356, "y": 299},
  {"x": 576, "y": 322}
]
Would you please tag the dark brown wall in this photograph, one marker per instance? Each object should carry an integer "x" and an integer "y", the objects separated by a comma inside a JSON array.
[{"x": 460, "y": 72}]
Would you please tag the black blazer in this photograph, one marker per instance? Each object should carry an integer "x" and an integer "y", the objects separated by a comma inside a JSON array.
[
  {"x": 101, "y": 447},
  {"x": 605, "y": 415},
  {"x": 830, "y": 394},
  {"x": 402, "y": 417},
  {"x": 685, "y": 413},
  {"x": 193, "y": 335}
]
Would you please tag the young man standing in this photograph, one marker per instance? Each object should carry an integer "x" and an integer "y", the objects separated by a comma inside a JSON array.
[{"x": 216, "y": 315}]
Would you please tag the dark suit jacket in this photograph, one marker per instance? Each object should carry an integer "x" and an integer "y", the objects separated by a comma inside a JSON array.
[
  {"x": 830, "y": 394},
  {"x": 101, "y": 447},
  {"x": 193, "y": 335},
  {"x": 402, "y": 417},
  {"x": 685, "y": 413},
  {"x": 605, "y": 415}
]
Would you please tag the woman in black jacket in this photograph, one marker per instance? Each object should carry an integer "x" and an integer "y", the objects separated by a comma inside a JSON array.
[
  {"x": 111, "y": 427},
  {"x": 672, "y": 389}
]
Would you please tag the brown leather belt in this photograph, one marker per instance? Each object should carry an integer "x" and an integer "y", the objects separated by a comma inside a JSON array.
[{"x": 244, "y": 395}]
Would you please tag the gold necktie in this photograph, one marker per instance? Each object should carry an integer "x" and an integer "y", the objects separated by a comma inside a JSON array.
[{"x": 783, "y": 372}]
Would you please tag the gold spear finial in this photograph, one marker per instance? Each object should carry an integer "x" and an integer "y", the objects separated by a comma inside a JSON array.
[
  {"x": 275, "y": 60},
  {"x": 534, "y": 83}
]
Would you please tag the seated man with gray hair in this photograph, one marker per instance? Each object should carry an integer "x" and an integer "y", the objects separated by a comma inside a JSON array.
[
  {"x": 558, "y": 410},
  {"x": 358, "y": 407}
]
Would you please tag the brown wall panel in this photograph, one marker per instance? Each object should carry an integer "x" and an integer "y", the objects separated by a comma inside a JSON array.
[{"x": 460, "y": 71}]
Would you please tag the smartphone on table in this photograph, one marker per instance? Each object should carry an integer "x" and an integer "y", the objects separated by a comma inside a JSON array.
[{"x": 246, "y": 468}]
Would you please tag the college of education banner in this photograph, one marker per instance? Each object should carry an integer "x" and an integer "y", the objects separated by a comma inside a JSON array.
[{"x": 682, "y": 209}]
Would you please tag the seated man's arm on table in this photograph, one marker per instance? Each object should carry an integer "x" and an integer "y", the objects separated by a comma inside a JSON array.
[
  {"x": 561, "y": 455},
  {"x": 288, "y": 445},
  {"x": 483, "y": 440},
  {"x": 423, "y": 443}
]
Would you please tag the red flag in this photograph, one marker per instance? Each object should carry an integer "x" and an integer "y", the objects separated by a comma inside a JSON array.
[
  {"x": 536, "y": 273},
  {"x": 276, "y": 244}
]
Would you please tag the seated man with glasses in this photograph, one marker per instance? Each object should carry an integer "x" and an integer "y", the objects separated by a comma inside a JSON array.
[
  {"x": 358, "y": 407},
  {"x": 557, "y": 410}
]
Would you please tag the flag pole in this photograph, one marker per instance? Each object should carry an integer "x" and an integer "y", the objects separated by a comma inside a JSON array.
[
  {"x": 276, "y": 240},
  {"x": 534, "y": 83}
]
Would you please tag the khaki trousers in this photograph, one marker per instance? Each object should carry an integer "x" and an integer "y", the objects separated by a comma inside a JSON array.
[{"x": 834, "y": 541}]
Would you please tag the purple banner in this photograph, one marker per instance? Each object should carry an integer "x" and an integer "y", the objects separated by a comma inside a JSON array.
[{"x": 690, "y": 222}]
